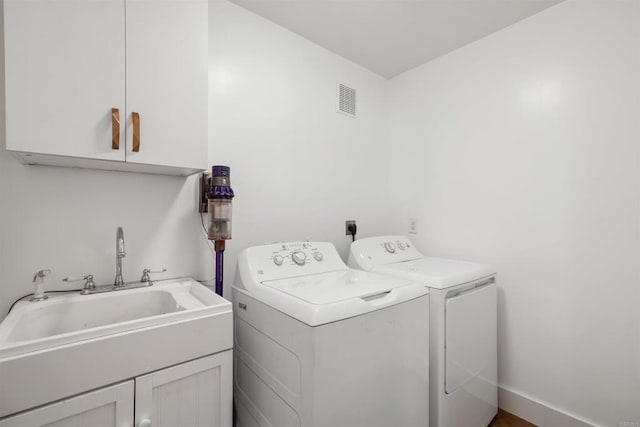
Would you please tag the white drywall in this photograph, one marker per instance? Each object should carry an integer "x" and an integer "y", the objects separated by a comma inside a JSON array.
[
  {"x": 522, "y": 150},
  {"x": 298, "y": 168}
]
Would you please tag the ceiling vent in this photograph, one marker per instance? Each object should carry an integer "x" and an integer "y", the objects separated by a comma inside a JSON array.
[{"x": 346, "y": 100}]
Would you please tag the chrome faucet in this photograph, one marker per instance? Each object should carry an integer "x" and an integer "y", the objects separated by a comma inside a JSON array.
[
  {"x": 119, "y": 255},
  {"x": 118, "y": 284}
]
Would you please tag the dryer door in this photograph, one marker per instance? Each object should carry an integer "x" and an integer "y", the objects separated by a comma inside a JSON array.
[{"x": 470, "y": 336}]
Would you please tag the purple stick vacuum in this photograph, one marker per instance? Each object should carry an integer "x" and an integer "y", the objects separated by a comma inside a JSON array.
[{"x": 220, "y": 195}]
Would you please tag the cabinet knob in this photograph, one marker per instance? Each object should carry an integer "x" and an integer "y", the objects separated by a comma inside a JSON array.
[{"x": 146, "y": 422}]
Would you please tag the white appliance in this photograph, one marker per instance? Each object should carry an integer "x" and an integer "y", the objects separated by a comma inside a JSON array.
[
  {"x": 463, "y": 327},
  {"x": 320, "y": 345}
]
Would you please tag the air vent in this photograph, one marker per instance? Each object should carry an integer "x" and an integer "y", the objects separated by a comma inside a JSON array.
[{"x": 346, "y": 100}]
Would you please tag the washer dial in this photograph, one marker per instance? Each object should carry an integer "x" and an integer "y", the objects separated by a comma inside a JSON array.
[
  {"x": 278, "y": 260},
  {"x": 299, "y": 257},
  {"x": 318, "y": 256},
  {"x": 390, "y": 247}
]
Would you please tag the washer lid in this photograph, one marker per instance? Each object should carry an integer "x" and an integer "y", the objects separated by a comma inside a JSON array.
[
  {"x": 323, "y": 298},
  {"x": 333, "y": 287},
  {"x": 438, "y": 273}
]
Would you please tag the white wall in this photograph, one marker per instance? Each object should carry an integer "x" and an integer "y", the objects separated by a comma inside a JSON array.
[
  {"x": 522, "y": 150},
  {"x": 66, "y": 219},
  {"x": 299, "y": 169}
]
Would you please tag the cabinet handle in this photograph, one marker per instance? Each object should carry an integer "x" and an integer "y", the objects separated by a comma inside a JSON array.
[
  {"x": 135, "y": 117},
  {"x": 115, "y": 129}
]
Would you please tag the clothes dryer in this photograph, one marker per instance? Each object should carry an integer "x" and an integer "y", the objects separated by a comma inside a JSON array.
[
  {"x": 320, "y": 345},
  {"x": 463, "y": 326}
]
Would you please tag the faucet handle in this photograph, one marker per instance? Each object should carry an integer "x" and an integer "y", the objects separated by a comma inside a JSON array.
[
  {"x": 74, "y": 278},
  {"x": 145, "y": 274},
  {"x": 88, "y": 284}
]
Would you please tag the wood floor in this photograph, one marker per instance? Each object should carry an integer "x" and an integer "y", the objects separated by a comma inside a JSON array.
[{"x": 505, "y": 419}]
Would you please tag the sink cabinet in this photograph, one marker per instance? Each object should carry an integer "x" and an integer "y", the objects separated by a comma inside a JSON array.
[
  {"x": 109, "y": 84},
  {"x": 109, "y": 406},
  {"x": 198, "y": 393},
  {"x": 195, "y": 393}
]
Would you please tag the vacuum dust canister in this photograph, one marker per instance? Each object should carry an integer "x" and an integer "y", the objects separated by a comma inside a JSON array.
[{"x": 219, "y": 199}]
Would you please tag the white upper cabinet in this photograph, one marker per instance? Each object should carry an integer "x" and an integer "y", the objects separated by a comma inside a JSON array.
[
  {"x": 64, "y": 71},
  {"x": 167, "y": 60},
  {"x": 77, "y": 72}
]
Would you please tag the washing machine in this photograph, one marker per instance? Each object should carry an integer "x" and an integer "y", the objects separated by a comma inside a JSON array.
[
  {"x": 320, "y": 345},
  {"x": 463, "y": 326}
]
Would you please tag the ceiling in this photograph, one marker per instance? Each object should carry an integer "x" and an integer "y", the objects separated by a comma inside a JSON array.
[{"x": 392, "y": 36}]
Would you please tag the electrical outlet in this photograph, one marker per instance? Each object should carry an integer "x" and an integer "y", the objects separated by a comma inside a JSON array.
[
  {"x": 346, "y": 226},
  {"x": 412, "y": 226},
  {"x": 205, "y": 183}
]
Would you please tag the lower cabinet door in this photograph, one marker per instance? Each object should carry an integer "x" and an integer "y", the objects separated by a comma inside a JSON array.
[
  {"x": 107, "y": 407},
  {"x": 194, "y": 394}
]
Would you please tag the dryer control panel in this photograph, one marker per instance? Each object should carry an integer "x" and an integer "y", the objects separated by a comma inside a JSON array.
[
  {"x": 372, "y": 251},
  {"x": 289, "y": 259}
]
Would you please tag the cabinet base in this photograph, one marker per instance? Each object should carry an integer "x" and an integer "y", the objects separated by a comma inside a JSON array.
[{"x": 83, "y": 163}]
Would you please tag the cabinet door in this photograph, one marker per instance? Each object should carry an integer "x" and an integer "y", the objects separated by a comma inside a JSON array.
[
  {"x": 167, "y": 62},
  {"x": 195, "y": 394},
  {"x": 64, "y": 71},
  {"x": 107, "y": 407}
]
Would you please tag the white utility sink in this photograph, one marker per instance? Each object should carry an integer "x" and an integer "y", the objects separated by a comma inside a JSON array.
[
  {"x": 61, "y": 315},
  {"x": 74, "y": 342},
  {"x": 67, "y": 318}
]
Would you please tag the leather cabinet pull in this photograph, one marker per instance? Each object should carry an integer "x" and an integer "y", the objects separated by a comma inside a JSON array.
[
  {"x": 135, "y": 117},
  {"x": 115, "y": 129}
]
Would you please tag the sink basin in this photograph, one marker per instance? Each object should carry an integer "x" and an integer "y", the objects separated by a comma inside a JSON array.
[
  {"x": 68, "y": 318},
  {"x": 62, "y": 315},
  {"x": 79, "y": 342}
]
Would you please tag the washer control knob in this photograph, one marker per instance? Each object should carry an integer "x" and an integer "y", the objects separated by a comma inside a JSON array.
[
  {"x": 390, "y": 247},
  {"x": 299, "y": 257},
  {"x": 318, "y": 256},
  {"x": 278, "y": 260},
  {"x": 401, "y": 246}
]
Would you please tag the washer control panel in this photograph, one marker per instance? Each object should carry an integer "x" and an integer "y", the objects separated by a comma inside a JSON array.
[
  {"x": 299, "y": 253},
  {"x": 369, "y": 252},
  {"x": 290, "y": 259},
  {"x": 396, "y": 245}
]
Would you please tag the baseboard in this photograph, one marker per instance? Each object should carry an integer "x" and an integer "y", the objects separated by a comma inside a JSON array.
[{"x": 538, "y": 413}]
